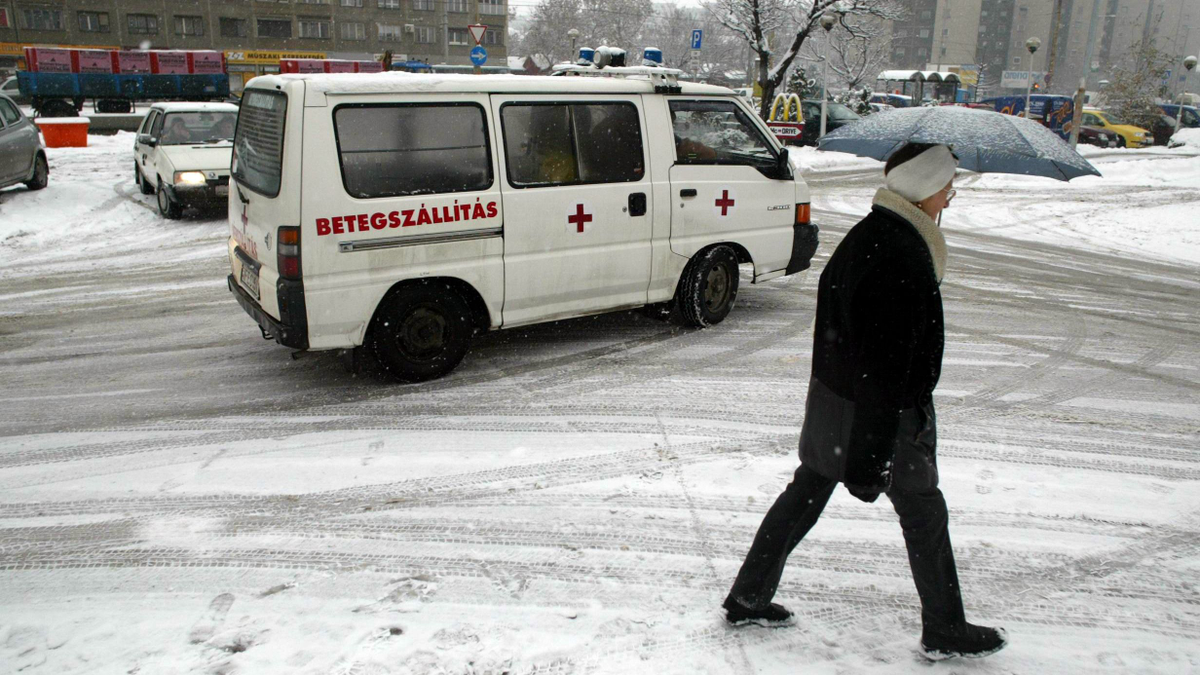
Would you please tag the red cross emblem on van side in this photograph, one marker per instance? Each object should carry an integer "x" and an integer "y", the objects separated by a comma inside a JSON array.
[
  {"x": 724, "y": 202},
  {"x": 580, "y": 218}
]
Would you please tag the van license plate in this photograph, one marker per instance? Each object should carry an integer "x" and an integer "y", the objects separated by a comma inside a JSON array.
[{"x": 250, "y": 280}]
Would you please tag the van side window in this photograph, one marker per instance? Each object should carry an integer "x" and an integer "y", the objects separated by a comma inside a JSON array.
[
  {"x": 572, "y": 144},
  {"x": 393, "y": 150},
  {"x": 717, "y": 132},
  {"x": 258, "y": 143}
]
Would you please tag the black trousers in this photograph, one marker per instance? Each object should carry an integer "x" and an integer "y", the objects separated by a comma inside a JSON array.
[{"x": 923, "y": 518}]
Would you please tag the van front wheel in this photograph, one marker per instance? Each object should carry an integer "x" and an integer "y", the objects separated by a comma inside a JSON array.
[
  {"x": 420, "y": 332},
  {"x": 708, "y": 287}
]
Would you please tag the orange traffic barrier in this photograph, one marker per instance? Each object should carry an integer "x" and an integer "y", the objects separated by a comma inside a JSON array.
[{"x": 64, "y": 132}]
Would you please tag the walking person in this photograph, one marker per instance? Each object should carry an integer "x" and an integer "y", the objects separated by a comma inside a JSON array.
[{"x": 869, "y": 419}]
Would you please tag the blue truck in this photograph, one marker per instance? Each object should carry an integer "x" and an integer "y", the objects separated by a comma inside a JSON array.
[
  {"x": 1055, "y": 112},
  {"x": 57, "y": 81}
]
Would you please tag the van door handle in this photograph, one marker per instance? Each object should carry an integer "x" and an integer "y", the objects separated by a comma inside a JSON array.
[
  {"x": 637, "y": 204},
  {"x": 689, "y": 192}
]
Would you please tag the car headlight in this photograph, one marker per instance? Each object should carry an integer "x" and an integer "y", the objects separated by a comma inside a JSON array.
[{"x": 189, "y": 178}]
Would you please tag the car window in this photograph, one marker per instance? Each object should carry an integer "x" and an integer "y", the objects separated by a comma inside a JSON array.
[
  {"x": 186, "y": 128},
  {"x": 9, "y": 112},
  {"x": 837, "y": 111},
  {"x": 158, "y": 123},
  {"x": 572, "y": 143},
  {"x": 717, "y": 132},
  {"x": 412, "y": 149},
  {"x": 1091, "y": 120},
  {"x": 148, "y": 122}
]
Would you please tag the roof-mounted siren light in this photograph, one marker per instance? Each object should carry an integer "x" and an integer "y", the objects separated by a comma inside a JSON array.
[
  {"x": 652, "y": 57},
  {"x": 587, "y": 56},
  {"x": 610, "y": 56}
]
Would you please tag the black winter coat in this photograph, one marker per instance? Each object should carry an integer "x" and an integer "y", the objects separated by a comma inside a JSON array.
[{"x": 877, "y": 354}]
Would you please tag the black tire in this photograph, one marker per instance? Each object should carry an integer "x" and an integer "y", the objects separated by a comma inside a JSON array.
[
  {"x": 169, "y": 208},
  {"x": 58, "y": 108},
  {"x": 420, "y": 332},
  {"x": 708, "y": 287},
  {"x": 41, "y": 174},
  {"x": 1121, "y": 142}
]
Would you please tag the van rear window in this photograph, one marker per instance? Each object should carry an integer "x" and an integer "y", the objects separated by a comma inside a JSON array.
[
  {"x": 393, "y": 150},
  {"x": 258, "y": 144}
]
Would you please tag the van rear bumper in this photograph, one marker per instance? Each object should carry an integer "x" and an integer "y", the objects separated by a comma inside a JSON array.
[
  {"x": 295, "y": 337},
  {"x": 804, "y": 246}
]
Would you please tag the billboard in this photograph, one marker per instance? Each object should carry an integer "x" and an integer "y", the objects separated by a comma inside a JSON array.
[{"x": 1019, "y": 79}]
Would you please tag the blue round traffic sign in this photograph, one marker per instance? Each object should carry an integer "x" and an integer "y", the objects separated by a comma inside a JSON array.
[{"x": 478, "y": 55}]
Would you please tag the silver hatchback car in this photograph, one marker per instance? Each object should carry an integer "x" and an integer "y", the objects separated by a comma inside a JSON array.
[{"x": 22, "y": 157}]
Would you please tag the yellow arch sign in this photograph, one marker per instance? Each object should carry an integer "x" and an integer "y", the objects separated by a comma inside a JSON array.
[{"x": 790, "y": 105}]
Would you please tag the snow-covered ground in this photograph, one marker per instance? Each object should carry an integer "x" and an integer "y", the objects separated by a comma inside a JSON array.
[
  {"x": 179, "y": 496},
  {"x": 1147, "y": 202}
]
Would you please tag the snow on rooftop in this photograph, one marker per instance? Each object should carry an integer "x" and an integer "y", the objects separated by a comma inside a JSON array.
[{"x": 193, "y": 106}]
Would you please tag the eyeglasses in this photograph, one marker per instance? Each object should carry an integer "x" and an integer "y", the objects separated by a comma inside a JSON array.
[{"x": 950, "y": 195}]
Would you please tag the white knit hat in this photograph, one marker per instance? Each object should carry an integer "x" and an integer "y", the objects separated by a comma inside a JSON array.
[{"x": 923, "y": 175}]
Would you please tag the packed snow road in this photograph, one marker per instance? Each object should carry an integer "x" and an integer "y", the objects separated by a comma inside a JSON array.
[{"x": 181, "y": 496}]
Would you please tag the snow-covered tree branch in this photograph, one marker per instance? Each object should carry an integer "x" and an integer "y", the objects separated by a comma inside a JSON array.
[{"x": 755, "y": 20}]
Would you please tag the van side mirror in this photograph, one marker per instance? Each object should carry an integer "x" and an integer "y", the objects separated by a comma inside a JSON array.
[{"x": 783, "y": 167}]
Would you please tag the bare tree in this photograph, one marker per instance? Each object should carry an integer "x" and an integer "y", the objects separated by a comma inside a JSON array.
[
  {"x": 548, "y": 26},
  {"x": 755, "y": 20},
  {"x": 856, "y": 55},
  {"x": 671, "y": 28},
  {"x": 613, "y": 23}
]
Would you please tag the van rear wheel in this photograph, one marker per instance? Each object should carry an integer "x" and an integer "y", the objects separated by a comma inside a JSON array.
[
  {"x": 708, "y": 287},
  {"x": 420, "y": 332}
]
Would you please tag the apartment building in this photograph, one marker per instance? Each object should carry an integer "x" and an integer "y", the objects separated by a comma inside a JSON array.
[
  {"x": 254, "y": 34},
  {"x": 991, "y": 35}
]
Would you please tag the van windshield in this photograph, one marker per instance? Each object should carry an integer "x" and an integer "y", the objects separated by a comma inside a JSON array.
[
  {"x": 258, "y": 146},
  {"x": 183, "y": 128}
]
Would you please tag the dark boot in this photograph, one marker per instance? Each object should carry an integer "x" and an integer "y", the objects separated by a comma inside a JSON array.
[
  {"x": 970, "y": 641},
  {"x": 772, "y": 616}
]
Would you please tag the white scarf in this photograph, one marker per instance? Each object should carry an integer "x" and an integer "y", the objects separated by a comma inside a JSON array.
[
  {"x": 923, "y": 175},
  {"x": 924, "y": 225}
]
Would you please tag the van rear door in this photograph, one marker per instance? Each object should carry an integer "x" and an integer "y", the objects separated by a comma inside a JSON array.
[{"x": 265, "y": 190}]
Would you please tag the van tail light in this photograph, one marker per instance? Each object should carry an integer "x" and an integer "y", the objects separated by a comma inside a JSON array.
[
  {"x": 289, "y": 252},
  {"x": 803, "y": 214}
]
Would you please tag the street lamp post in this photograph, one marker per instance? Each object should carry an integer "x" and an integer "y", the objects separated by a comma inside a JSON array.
[
  {"x": 1189, "y": 63},
  {"x": 827, "y": 22},
  {"x": 574, "y": 35},
  {"x": 1032, "y": 45}
]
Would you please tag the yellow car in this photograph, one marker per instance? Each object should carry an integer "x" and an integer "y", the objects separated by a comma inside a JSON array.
[{"x": 1130, "y": 136}]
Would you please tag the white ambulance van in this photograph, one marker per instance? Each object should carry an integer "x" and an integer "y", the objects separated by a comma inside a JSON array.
[{"x": 402, "y": 213}]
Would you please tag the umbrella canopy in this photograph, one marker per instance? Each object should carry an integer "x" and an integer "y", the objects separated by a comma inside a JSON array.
[{"x": 985, "y": 141}]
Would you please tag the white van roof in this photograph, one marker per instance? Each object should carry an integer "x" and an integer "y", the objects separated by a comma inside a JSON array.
[{"x": 422, "y": 83}]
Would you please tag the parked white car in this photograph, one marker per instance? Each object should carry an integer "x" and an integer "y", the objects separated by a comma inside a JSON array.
[
  {"x": 182, "y": 155},
  {"x": 22, "y": 158},
  {"x": 402, "y": 213}
]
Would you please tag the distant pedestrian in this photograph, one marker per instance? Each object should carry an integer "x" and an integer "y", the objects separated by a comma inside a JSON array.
[{"x": 869, "y": 420}]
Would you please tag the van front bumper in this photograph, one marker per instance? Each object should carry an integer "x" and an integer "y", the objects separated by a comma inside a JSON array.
[
  {"x": 287, "y": 335},
  {"x": 804, "y": 246}
]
